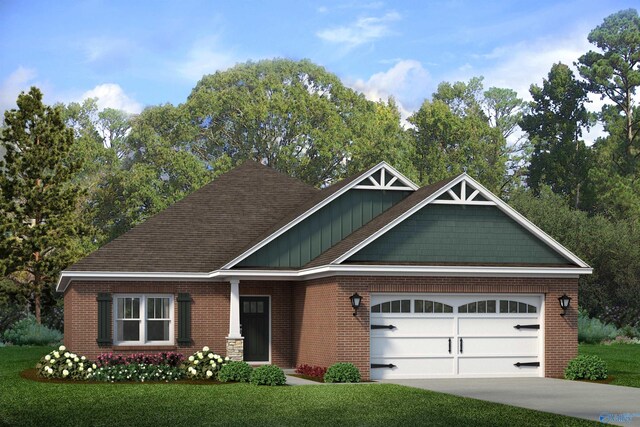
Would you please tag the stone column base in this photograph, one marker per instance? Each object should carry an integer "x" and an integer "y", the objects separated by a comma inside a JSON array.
[{"x": 235, "y": 348}]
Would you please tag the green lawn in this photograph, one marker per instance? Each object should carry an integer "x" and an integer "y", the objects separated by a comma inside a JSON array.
[
  {"x": 25, "y": 402},
  {"x": 623, "y": 361}
]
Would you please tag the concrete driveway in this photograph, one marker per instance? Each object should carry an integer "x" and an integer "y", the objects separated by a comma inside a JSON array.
[{"x": 596, "y": 402}]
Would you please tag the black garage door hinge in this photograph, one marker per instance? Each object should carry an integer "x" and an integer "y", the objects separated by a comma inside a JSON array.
[
  {"x": 382, "y": 327},
  {"x": 527, "y": 326},
  {"x": 526, "y": 364},
  {"x": 382, "y": 365}
]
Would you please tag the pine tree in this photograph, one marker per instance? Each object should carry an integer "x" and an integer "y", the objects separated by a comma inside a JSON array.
[{"x": 37, "y": 196}]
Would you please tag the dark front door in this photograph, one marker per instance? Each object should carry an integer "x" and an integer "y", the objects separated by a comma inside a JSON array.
[{"x": 255, "y": 324}]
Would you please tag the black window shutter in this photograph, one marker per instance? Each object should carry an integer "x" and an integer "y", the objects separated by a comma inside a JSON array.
[
  {"x": 104, "y": 319},
  {"x": 184, "y": 319}
]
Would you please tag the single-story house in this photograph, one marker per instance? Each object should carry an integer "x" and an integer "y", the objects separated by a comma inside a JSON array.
[{"x": 445, "y": 280}]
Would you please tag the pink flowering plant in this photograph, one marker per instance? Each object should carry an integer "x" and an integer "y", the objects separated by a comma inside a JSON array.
[
  {"x": 61, "y": 363},
  {"x": 165, "y": 358},
  {"x": 204, "y": 364}
]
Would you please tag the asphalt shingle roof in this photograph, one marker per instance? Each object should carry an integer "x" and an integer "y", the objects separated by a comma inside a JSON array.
[{"x": 208, "y": 228}]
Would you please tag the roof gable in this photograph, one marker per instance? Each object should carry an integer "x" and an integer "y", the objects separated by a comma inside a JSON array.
[
  {"x": 462, "y": 191},
  {"x": 382, "y": 177}
]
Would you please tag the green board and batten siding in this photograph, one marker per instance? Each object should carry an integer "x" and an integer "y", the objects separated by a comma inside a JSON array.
[
  {"x": 323, "y": 229},
  {"x": 459, "y": 234}
]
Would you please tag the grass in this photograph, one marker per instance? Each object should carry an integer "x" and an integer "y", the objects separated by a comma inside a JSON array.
[
  {"x": 25, "y": 402},
  {"x": 623, "y": 361}
]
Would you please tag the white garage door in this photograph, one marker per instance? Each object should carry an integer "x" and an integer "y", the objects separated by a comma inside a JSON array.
[{"x": 432, "y": 336}]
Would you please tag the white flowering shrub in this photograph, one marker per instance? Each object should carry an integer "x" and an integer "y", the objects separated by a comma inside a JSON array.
[
  {"x": 61, "y": 363},
  {"x": 137, "y": 372},
  {"x": 203, "y": 365}
]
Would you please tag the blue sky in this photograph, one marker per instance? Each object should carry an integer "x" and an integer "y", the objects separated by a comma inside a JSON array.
[{"x": 132, "y": 54}]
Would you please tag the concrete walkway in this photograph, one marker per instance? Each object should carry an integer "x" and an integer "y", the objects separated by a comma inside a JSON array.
[{"x": 615, "y": 404}]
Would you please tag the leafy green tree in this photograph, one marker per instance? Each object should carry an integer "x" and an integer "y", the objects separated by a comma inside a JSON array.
[
  {"x": 292, "y": 115},
  {"x": 381, "y": 137},
  {"x": 155, "y": 170},
  {"x": 611, "y": 247},
  {"x": 503, "y": 109},
  {"x": 554, "y": 125},
  {"x": 452, "y": 134},
  {"x": 614, "y": 73},
  {"x": 37, "y": 195}
]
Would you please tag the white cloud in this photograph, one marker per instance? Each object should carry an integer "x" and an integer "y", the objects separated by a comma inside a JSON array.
[
  {"x": 407, "y": 81},
  {"x": 111, "y": 95},
  {"x": 519, "y": 65},
  {"x": 16, "y": 82},
  {"x": 363, "y": 30},
  {"x": 205, "y": 57}
]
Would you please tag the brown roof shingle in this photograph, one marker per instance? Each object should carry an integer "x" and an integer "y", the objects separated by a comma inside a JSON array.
[{"x": 208, "y": 228}]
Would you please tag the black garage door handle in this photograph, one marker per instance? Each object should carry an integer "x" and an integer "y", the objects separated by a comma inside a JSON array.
[
  {"x": 460, "y": 345},
  {"x": 449, "y": 345}
]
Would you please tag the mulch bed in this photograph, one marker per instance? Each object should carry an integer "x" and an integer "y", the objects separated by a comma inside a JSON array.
[{"x": 32, "y": 375}]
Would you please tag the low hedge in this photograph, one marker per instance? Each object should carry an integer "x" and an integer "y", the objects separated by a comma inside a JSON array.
[
  {"x": 586, "y": 367},
  {"x": 235, "y": 371},
  {"x": 342, "y": 373},
  {"x": 268, "y": 375}
]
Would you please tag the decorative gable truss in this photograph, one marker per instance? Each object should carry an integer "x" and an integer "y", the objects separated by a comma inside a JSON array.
[
  {"x": 384, "y": 177},
  {"x": 465, "y": 190},
  {"x": 463, "y": 193}
]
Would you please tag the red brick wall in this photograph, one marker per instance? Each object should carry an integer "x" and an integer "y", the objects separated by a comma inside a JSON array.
[
  {"x": 561, "y": 333},
  {"x": 209, "y": 314},
  {"x": 314, "y": 322}
]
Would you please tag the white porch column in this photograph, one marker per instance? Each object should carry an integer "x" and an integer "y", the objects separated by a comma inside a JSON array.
[{"x": 234, "y": 310}]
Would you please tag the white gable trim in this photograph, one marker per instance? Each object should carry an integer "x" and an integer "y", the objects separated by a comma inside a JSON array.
[
  {"x": 493, "y": 199},
  {"x": 66, "y": 277},
  {"x": 354, "y": 184}
]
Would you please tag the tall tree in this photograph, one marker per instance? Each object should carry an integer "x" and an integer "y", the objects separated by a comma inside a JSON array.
[
  {"x": 453, "y": 134},
  {"x": 292, "y": 115},
  {"x": 614, "y": 73},
  {"x": 554, "y": 125},
  {"x": 37, "y": 195}
]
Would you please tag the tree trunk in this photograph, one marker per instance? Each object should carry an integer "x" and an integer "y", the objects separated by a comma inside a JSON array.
[{"x": 36, "y": 301}]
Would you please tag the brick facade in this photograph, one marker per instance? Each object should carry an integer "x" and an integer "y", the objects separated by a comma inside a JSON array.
[{"x": 312, "y": 322}]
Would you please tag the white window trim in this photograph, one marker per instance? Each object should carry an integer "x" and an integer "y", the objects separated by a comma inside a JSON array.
[{"x": 143, "y": 320}]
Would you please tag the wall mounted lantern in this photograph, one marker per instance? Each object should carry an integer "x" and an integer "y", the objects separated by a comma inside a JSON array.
[
  {"x": 355, "y": 302},
  {"x": 565, "y": 301}
]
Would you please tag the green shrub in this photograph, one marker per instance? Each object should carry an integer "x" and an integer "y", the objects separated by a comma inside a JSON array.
[
  {"x": 342, "y": 373},
  {"x": 28, "y": 332},
  {"x": 235, "y": 371},
  {"x": 586, "y": 367},
  {"x": 61, "y": 363},
  {"x": 203, "y": 365},
  {"x": 140, "y": 372},
  {"x": 268, "y": 375},
  {"x": 593, "y": 331}
]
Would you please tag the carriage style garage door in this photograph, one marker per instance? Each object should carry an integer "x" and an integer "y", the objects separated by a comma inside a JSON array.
[{"x": 431, "y": 336}]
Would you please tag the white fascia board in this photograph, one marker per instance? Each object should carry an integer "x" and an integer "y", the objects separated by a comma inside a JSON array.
[
  {"x": 67, "y": 276},
  {"x": 329, "y": 270},
  {"x": 316, "y": 208},
  {"x": 508, "y": 210}
]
